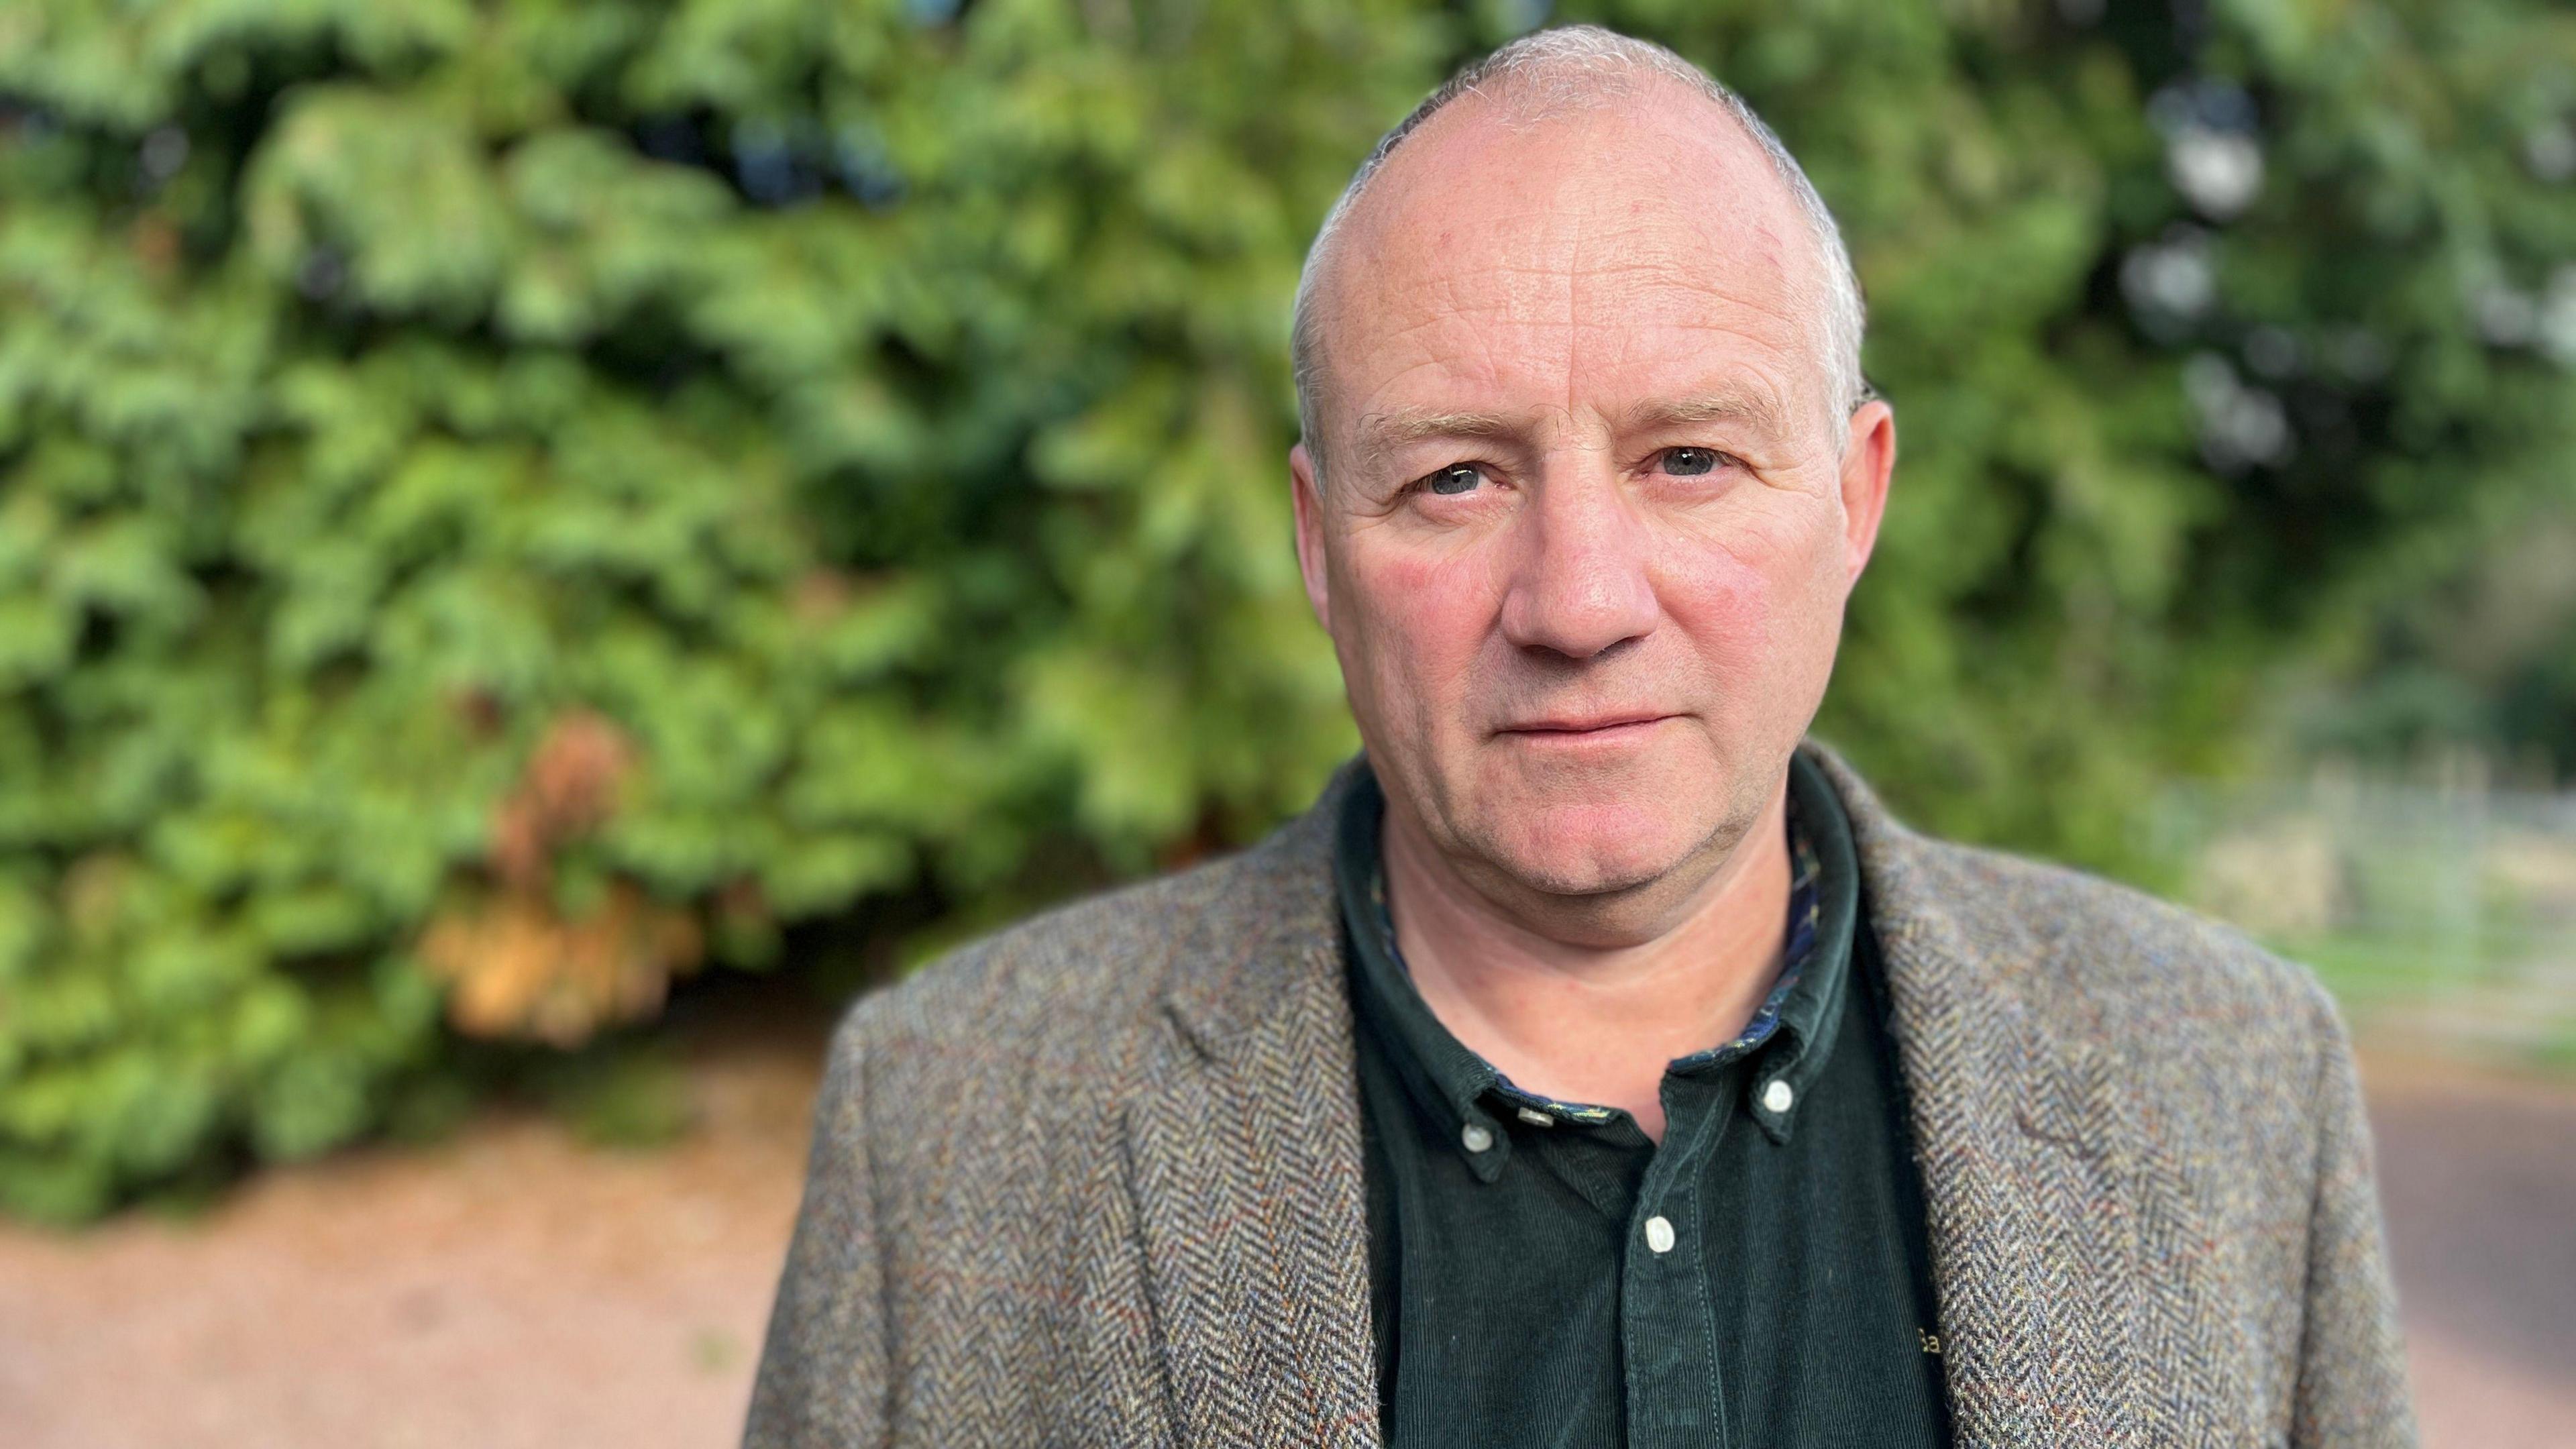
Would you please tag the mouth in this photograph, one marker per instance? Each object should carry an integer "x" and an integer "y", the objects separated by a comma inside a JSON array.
[{"x": 1571, "y": 729}]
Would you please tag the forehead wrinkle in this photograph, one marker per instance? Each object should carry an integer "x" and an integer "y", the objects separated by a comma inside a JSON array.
[
  {"x": 1632, "y": 274},
  {"x": 1752, "y": 394},
  {"x": 1574, "y": 280},
  {"x": 1370, "y": 425}
]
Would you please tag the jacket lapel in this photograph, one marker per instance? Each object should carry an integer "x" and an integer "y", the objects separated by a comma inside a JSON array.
[
  {"x": 2037, "y": 1192},
  {"x": 1244, "y": 1156},
  {"x": 2033, "y": 1245}
]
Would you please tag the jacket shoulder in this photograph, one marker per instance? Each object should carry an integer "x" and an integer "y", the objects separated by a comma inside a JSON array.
[
  {"x": 1065, "y": 980},
  {"x": 1081, "y": 986},
  {"x": 2093, "y": 956},
  {"x": 2125, "y": 962}
]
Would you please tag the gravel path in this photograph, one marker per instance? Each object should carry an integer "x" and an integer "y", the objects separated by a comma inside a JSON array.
[
  {"x": 512, "y": 1288},
  {"x": 2479, "y": 1177}
]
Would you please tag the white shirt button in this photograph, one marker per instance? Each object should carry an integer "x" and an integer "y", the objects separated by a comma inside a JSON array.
[
  {"x": 1659, "y": 1233},
  {"x": 1477, "y": 1136},
  {"x": 1534, "y": 1117},
  {"x": 1777, "y": 1096}
]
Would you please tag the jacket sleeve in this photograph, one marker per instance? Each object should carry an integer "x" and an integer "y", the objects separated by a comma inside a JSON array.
[
  {"x": 2352, "y": 1386},
  {"x": 823, "y": 1381}
]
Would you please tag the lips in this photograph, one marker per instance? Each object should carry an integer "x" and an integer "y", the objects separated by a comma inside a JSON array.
[{"x": 1584, "y": 725}]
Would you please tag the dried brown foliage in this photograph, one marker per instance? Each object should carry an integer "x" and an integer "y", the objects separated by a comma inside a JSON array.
[{"x": 515, "y": 963}]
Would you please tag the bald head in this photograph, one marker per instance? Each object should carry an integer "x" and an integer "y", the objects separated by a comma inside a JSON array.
[{"x": 1622, "y": 101}]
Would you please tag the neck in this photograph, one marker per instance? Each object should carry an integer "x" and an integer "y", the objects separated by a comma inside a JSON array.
[{"x": 1535, "y": 992}]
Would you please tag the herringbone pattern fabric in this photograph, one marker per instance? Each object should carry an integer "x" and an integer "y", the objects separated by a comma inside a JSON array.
[{"x": 1097, "y": 1180}]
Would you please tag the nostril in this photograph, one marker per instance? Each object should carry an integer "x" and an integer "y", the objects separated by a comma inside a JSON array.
[{"x": 1580, "y": 613}]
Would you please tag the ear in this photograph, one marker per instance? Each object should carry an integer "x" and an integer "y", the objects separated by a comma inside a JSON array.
[
  {"x": 1309, "y": 500},
  {"x": 1869, "y": 462}
]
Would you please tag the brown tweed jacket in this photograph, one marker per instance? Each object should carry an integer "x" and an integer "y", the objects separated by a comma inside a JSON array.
[{"x": 1097, "y": 1180}]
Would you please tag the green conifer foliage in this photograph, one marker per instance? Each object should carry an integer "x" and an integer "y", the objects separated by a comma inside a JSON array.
[{"x": 505, "y": 504}]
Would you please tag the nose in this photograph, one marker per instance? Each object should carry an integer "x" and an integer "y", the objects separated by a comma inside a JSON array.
[{"x": 1579, "y": 583}]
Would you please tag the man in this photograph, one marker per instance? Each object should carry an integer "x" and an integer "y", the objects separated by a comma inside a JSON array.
[{"x": 1594, "y": 1063}]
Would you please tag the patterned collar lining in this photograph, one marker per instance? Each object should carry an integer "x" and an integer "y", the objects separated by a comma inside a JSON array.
[{"x": 1797, "y": 951}]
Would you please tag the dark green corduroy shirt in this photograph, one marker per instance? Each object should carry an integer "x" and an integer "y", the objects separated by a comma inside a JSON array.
[{"x": 1544, "y": 1274}]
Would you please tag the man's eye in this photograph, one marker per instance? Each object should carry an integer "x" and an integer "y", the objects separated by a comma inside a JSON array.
[
  {"x": 1455, "y": 479},
  {"x": 1690, "y": 462}
]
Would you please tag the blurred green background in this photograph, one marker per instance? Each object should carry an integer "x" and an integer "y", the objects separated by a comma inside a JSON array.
[{"x": 509, "y": 509}]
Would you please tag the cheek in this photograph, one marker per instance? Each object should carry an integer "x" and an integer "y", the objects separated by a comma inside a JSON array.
[
  {"x": 1423, "y": 616},
  {"x": 1756, "y": 604}
]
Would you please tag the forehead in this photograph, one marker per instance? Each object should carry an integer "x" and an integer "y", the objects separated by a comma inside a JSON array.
[{"x": 1593, "y": 259}]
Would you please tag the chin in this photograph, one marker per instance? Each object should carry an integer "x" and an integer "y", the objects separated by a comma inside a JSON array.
[{"x": 1579, "y": 840}]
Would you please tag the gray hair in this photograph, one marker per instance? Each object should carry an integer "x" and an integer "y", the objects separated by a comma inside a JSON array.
[{"x": 1574, "y": 67}]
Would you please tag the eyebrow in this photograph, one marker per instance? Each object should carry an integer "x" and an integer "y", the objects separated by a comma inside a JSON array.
[
  {"x": 1752, "y": 409},
  {"x": 1383, "y": 433}
]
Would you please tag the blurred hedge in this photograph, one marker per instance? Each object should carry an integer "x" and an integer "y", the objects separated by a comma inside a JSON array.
[{"x": 503, "y": 504}]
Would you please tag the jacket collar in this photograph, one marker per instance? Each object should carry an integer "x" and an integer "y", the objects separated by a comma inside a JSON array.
[{"x": 1220, "y": 991}]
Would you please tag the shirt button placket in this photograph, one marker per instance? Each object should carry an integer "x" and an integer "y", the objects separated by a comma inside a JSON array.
[
  {"x": 1670, "y": 1404},
  {"x": 1667, "y": 1323}
]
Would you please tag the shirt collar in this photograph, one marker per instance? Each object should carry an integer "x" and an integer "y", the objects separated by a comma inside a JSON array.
[{"x": 1791, "y": 1032}]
